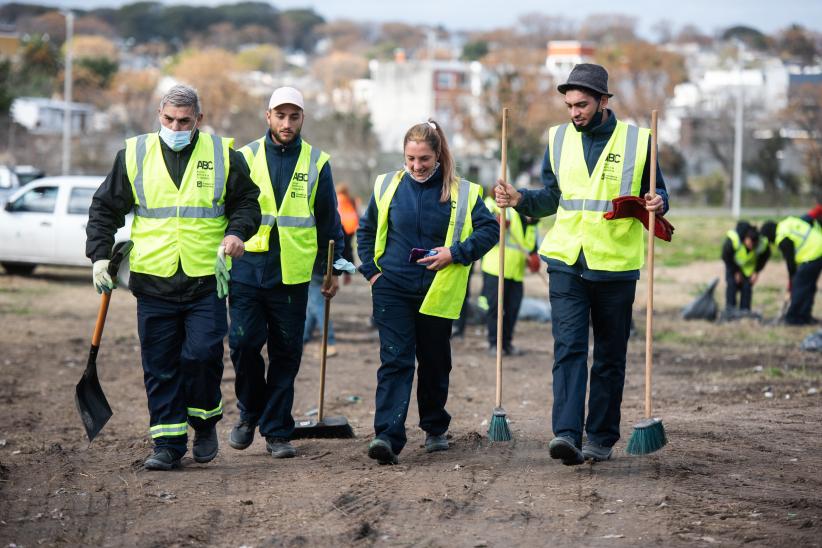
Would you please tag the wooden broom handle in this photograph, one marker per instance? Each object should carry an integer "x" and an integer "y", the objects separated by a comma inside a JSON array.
[
  {"x": 326, "y": 315},
  {"x": 501, "y": 277},
  {"x": 649, "y": 310}
]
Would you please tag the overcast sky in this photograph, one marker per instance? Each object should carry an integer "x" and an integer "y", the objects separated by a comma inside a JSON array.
[{"x": 708, "y": 15}]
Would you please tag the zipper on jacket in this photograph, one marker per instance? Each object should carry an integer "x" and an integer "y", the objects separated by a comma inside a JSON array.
[{"x": 419, "y": 233}]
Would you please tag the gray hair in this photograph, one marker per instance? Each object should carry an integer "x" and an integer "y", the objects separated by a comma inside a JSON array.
[{"x": 182, "y": 96}]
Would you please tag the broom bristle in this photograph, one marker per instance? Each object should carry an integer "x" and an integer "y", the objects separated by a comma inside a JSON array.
[
  {"x": 498, "y": 428},
  {"x": 648, "y": 436},
  {"x": 330, "y": 427}
]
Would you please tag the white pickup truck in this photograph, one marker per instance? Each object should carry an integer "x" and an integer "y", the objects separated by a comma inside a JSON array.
[{"x": 45, "y": 223}]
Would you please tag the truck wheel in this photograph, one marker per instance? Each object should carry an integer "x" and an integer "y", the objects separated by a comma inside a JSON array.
[{"x": 19, "y": 269}]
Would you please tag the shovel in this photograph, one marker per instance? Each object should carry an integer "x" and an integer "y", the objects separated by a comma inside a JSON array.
[
  {"x": 324, "y": 427},
  {"x": 88, "y": 395}
]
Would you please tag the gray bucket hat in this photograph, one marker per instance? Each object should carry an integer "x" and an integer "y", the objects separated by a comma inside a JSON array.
[{"x": 588, "y": 76}]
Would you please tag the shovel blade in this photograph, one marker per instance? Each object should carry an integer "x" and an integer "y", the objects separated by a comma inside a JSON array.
[{"x": 91, "y": 401}]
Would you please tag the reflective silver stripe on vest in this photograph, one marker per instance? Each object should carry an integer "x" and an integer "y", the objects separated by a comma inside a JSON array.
[
  {"x": 219, "y": 172},
  {"x": 189, "y": 212},
  {"x": 313, "y": 172},
  {"x": 267, "y": 220},
  {"x": 629, "y": 161},
  {"x": 303, "y": 222},
  {"x": 383, "y": 186},
  {"x": 253, "y": 146},
  {"x": 462, "y": 208},
  {"x": 586, "y": 205},
  {"x": 138, "y": 178},
  {"x": 559, "y": 138},
  {"x": 803, "y": 236}
]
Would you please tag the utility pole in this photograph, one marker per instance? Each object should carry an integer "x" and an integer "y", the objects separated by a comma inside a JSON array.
[
  {"x": 67, "y": 81},
  {"x": 736, "y": 199}
]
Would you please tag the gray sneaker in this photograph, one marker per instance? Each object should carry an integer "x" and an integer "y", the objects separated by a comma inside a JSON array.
[
  {"x": 436, "y": 443},
  {"x": 595, "y": 452},
  {"x": 564, "y": 448},
  {"x": 380, "y": 450},
  {"x": 280, "y": 448}
]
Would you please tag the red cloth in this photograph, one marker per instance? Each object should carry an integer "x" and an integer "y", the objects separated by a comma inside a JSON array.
[
  {"x": 533, "y": 262},
  {"x": 634, "y": 206},
  {"x": 816, "y": 212}
]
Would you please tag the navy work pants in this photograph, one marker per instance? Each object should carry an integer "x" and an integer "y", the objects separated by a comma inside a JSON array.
[
  {"x": 406, "y": 334},
  {"x": 803, "y": 292},
  {"x": 275, "y": 317},
  {"x": 182, "y": 354},
  {"x": 608, "y": 305},
  {"x": 511, "y": 301},
  {"x": 745, "y": 290}
]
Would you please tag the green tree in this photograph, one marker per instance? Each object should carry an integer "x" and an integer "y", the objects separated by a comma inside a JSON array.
[{"x": 475, "y": 50}]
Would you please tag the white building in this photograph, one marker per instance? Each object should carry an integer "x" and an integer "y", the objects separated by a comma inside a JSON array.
[{"x": 42, "y": 115}]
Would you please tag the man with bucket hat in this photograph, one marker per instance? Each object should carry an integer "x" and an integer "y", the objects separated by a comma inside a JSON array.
[{"x": 593, "y": 261}]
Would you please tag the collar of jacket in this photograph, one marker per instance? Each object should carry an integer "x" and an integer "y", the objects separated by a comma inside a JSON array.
[
  {"x": 605, "y": 128},
  {"x": 435, "y": 180},
  {"x": 281, "y": 148}
]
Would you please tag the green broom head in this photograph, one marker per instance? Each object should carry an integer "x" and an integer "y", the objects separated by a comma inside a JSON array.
[
  {"x": 498, "y": 428},
  {"x": 648, "y": 436}
]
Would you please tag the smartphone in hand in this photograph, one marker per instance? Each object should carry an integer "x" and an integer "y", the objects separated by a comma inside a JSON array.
[{"x": 418, "y": 253}]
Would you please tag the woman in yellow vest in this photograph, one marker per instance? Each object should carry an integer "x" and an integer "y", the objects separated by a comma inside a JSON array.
[{"x": 423, "y": 228}]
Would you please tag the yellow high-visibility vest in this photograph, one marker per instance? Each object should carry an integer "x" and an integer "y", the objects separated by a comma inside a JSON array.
[
  {"x": 744, "y": 258},
  {"x": 612, "y": 245},
  {"x": 447, "y": 291},
  {"x": 806, "y": 238},
  {"x": 174, "y": 226},
  {"x": 296, "y": 226},
  {"x": 519, "y": 242}
]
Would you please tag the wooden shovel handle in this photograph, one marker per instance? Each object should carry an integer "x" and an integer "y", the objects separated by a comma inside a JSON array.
[{"x": 101, "y": 319}]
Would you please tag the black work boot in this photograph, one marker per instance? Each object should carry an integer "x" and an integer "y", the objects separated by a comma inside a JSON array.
[
  {"x": 280, "y": 448},
  {"x": 162, "y": 459},
  {"x": 564, "y": 448},
  {"x": 242, "y": 435},
  {"x": 205, "y": 444}
]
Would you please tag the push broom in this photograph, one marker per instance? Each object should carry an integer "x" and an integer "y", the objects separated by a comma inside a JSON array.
[
  {"x": 649, "y": 434},
  {"x": 324, "y": 427},
  {"x": 498, "y": 428}
]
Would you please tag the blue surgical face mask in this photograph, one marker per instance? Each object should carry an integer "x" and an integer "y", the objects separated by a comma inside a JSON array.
[{"x": 176, "y": 140}]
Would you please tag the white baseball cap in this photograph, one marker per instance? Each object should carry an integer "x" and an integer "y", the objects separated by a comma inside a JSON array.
[{"x": 286, "y": 96}]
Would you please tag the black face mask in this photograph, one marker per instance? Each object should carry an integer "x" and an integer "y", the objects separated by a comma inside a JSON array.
[{"x": 595, "y": 121}]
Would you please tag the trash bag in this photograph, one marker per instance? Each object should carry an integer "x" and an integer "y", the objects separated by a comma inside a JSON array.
[
  {"x": 537, "y": 310},
  {"x": 703, "y": 307},
  {"x": 813, "y": 342}
]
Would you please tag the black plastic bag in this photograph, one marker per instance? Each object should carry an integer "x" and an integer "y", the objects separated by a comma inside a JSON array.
[
  {"x": 813, "y": 342},
  {"x": 703, "y": 307}
]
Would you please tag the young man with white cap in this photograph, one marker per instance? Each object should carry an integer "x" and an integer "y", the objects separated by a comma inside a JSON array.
[{"x": 269, "y": 284}]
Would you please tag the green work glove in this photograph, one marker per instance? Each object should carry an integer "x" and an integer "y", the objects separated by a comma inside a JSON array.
[
  {"x": 221, "y": 273},
  {"x": 101, "y": 278}
]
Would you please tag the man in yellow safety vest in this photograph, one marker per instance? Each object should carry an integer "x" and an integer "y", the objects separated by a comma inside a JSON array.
[
  {"x": 190, "y": 194},
  {"x": 593, "y": 263},
  {"x": 269, "y": 285}
]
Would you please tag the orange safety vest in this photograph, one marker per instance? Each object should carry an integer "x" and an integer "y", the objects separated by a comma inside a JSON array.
[{"x": 348, "y": 214}]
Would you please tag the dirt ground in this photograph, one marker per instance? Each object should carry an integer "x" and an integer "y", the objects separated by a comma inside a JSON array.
[{"x": 740, "y": 403}]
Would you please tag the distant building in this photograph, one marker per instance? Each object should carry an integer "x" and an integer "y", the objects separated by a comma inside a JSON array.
[
  {"x": 44, "y": 116},
  {"x": 9, "y": 44},
  {"x": 564, "y": 54}
]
